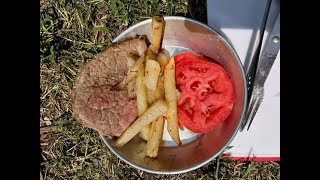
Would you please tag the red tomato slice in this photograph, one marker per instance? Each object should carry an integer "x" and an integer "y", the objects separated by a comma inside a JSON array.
[{"x": 206, "y": 93}]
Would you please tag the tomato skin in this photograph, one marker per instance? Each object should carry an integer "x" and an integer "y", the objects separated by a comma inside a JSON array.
[
  {"x": 206, "y": 93},
  {"x": 182, "y": 56},
  {"x": 187, "y": 55}
]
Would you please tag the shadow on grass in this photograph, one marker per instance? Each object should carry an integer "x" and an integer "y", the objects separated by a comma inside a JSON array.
[{"x": 197, "y": 9}]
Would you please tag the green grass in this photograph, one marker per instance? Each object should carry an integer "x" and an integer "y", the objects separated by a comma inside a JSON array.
[{"x": 71, "y": 33}]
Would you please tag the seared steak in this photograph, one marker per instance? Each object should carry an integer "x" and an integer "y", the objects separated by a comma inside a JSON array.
[{"x": 94, "y": 104}]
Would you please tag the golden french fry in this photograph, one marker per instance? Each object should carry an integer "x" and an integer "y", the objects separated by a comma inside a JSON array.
[
  {"x": 155, "y": 137},
  {"x": 172, "y": 120},
  {"x": 162, "y": 58},
  {"x": 158, "y": 93},
  {"x": 131, "y": 60},
  {"x": 170, "y": 82},
  {"x": 158, "y": 24},
  {"x": 142, "y": 103},
  {"x": 160, "y": 88},
  {"x": 132, "y": 74},
  {"x": 156, "y": 110},
  {"x": 152, "y": 71},
  {"x": 144, "y": 133},
  {"x": 171, "y": 100},
  {"x": 150, "y": 54},
  {"x": 132, "y": 89},
  {"x": 156, "y": 128},
  {"x": 152, "y": 95}
]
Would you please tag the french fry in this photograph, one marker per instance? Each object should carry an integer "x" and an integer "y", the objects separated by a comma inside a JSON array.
[
  {"x": 132, "y": 74},
  {"x": 172, "y": 120},
  {"x": 156, "y": 129},
  {"x": 170, "y": 82},
  {"x": 144, "y": 133},
  {"x": 131, "y": 60},
  {"x": 171, "y": 100},
  {"x": 150, "y": 54},
  {"x": 162, "y": 59},
  {"x": 156, "y": 110},
  {"x": 152, "y": 71},
  {"x": 155, "y": 137},
  {"x": 132, "y": 89},
  {"x": 152, "y": 96},
  {"x": 158, "y": 24},
  {"x": 158, "y": 93},
  {"x": 142, "y": 102}
]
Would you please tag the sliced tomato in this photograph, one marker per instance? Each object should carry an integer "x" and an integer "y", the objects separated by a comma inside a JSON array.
[
  {"x": 187, "y": 55},
  {"x": 206, "y": 93}
]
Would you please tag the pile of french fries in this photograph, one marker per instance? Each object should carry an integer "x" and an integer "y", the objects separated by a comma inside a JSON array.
[{"x": 151, "y": 80}]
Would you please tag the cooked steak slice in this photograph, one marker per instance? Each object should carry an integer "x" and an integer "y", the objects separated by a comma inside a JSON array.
[{"x": 94, "y": 104}]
